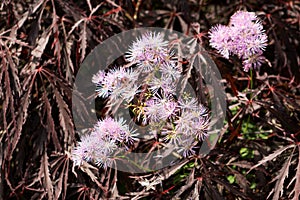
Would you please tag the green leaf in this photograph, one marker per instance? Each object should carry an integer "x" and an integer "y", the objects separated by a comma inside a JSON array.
[
  {"x": 231, "y": 179},
  {"x": 253, "y": 185},
  {"x": 244, "y": 152}
]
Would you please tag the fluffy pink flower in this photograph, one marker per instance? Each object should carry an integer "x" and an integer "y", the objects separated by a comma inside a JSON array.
[
  {"x": 148, "y": 51},
  {"x": 98, "y": 147},
  {"x": 115, "y": 83},
  {"x": 220, "y": 39},
  {"x": 244, "y": 37}
]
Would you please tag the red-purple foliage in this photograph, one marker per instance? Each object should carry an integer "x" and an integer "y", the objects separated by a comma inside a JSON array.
[{"x": 42, "y": 44}]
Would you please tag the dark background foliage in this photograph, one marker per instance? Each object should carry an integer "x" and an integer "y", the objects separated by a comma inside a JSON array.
[{"x": 43, "y": 42}]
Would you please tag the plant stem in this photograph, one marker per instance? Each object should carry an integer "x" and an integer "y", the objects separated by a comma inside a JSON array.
[{"x": 251, "y": 82}]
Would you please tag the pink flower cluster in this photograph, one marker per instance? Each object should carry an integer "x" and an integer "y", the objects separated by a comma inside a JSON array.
[
  {"x": 117, "y": 83},
  {"x": 148, "y": 85},
  {"x": 98, "y": 147},
  {"x": 148, "y": 51},
  {"x": 182, "y": 121},
  {"x": 244, "y": 37}
]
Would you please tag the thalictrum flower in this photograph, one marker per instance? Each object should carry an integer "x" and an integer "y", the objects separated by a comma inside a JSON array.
[
  {"x": 244, "y": 37},
  {"x": 164, "y": 83},
  {"x": 248, "y": 34},
  {"x": 243, "y": 18},
  {"x": 187, "y": 147},
  {"x": 193, "y": 123},
  {"x": 254, "y": 61},
  {"x": 160, "y": 107},
  {"x": 220, "y": 39},
  {"x": 188, "y": 103},
  {"x": 152, "y": 110},
  {"x": 170, "y": 71},
  {"x": 114, "y": 83},
  {"x": 99, "y": 146},
  {"x": 93, "y": 149},
  {"x": 112, "y": 129},
  {"x": 148, "y": 51},
  {"x": 181, "y": 122}
]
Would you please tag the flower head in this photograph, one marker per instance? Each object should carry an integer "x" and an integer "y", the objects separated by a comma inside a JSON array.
[
  {"x": 94, "y": 149},
  {"x": 160, "y": 107},
  {"x": 244, "y": 37},
  {"x": 192, "y": 124},
  {"x": 253, "y": 62},
  {"x": 165, "y": 84},
  {"x": 99, "y": 146},
  {"x": 243, "y": 17},
  {"x": 148, "y": 51},
  {"x": 116, "y": 131},
  {"x": 113, "y": 82},
  {"x": 248, "y": 34},
  {"x": 220, "y": 39}
]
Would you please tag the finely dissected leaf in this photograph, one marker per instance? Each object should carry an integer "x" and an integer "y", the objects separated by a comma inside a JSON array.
[
  {"x": 65, "y": 117},
  {"x": 8, "y": 97},
  {"x": 242, "y": 164},
  {"x": 196, "y": 193},
  {"x": 13, "y": 68},
  {"x": 296, "y": 189},
  {"x": 95, "y": 9},
  {"x": 171, "y": 170},
  {"x": 114, "y": 188},
  {"x": 189, "y": 182},
  {"x": 41, "y": 44},
  {"x": 89, "y": 4},
  {"x": 68, "y": 61},
  {"x": 57, "y": 83},
  {"x": 184, "y": 81},
  {"x": 283, "y": 173},
  {"x": 83, "y": 39},
  {"x": 22, "y": 116},
  {"x": 272, "y": 156},
  {"x": 61, "y": 166},
  {"x": 76, "y": 25},
  {"x": 184, "y": 25},
  {"x": 34, "y": 8},
  {"x": 64, "y": 113},
  {"x": 88, "y": 169},
  {"x": 66, "y": 176},
  {"x": 12, "y": 87},
  {"x": 45, "y": 175},
  {"x": 151, "y": 183},
  {"x": 50, "y": 122},
  {"x": 56, "y": 43}
]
